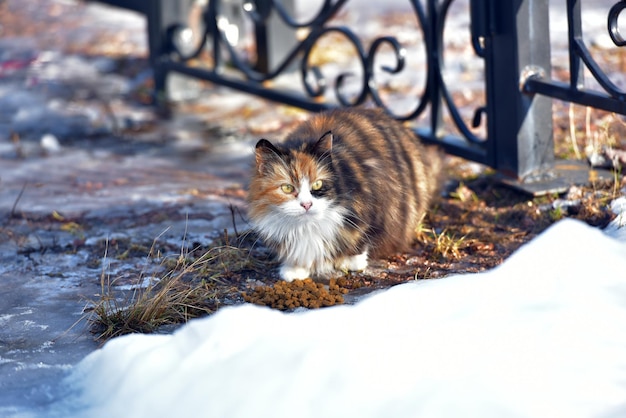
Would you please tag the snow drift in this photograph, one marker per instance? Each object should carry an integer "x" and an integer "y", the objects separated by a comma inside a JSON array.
[{"x": 543, "y": 335}]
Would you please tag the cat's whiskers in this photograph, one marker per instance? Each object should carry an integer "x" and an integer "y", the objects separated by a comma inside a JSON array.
[{"x": 308, "y": 244}]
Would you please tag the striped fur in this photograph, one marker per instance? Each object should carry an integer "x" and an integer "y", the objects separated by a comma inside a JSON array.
[{"x": 345, "y": 185}]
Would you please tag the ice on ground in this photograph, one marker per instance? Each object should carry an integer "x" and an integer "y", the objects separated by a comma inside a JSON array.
[
  {"x": 67, "y": 96},
  {"x": 540, "y": 336},
  {"x": 616, "y": 227}
]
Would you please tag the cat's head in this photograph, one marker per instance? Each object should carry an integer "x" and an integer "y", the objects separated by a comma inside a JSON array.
[{"x": 292, "y": 181}]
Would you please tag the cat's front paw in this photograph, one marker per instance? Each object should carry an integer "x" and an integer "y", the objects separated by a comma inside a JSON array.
[
  {"x": 289, "y": 274},
  {"x": 353, "y": 263}
]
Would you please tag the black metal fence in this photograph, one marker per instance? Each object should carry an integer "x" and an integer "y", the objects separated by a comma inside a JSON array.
[{"x": 511, "y": 37}]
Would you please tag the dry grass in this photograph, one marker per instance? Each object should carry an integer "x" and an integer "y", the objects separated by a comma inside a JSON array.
[
  {"x": 474, "y": 228},
  {"x": 447, "y": 244},
  {"x": 171, "y": 301},
  {"x": 190, "y": 287}
]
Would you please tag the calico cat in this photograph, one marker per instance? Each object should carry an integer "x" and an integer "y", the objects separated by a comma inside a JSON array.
[{"x": 345, "y": 185}]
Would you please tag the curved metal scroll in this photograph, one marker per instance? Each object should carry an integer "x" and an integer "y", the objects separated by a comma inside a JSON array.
[
  {"x": 314, "y": 83},
  {"x": 614, "y": 32},
  {"x": 580, "y": 49},
  {"x": 613, "y": 98}
]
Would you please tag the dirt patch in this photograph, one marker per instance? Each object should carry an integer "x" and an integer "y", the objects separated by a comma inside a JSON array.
[{"x": 474, "y": 226}]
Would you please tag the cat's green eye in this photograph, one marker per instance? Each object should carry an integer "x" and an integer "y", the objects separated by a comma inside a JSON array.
[
  {"x": 287, "y": 188},
  {"x": 316, "y": 185}
]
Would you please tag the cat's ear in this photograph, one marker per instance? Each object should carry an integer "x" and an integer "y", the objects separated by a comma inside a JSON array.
[
  {"x": 324, "y": 145},
  {"x": 265, "y": 153}
]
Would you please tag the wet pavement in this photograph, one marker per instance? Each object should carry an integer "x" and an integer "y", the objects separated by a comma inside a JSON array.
[
  {"x": 71, "y": 204},
  {"x": 59, "y": 208},
  {"x": 84, "y": 165}
]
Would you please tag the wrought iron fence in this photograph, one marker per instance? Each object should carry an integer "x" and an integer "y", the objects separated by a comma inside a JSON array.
[{"x": 511, "y": 37}]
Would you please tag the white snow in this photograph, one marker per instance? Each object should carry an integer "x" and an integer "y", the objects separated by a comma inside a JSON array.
[{"x": 543, "y": 335}]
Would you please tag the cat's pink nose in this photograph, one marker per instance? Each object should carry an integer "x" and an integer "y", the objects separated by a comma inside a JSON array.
[{"x": 306, "y": 205}]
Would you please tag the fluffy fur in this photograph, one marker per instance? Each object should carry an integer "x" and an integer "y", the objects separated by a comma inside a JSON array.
[{"x": 345, "y": 185}]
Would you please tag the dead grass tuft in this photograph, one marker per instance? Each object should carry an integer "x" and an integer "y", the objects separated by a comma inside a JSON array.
[
  {"x": 190, "y": 287},
  {"x": 170, "y": 301},
  {"x": 474, "y": 227}
]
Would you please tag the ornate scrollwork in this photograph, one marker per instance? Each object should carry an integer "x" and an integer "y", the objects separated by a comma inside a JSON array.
[
  {"x": 613, "y": 27},
  {"x": 579, "y": 49},
  {"x": 314, "y": 83}
]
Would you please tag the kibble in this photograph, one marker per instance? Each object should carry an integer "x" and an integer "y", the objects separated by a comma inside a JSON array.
[{"x": 299, "y": 293}]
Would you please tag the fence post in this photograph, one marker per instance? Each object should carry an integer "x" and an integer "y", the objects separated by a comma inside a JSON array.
[
  {"x": 160, "y": 16},
  {"x": 520, "y": 125}
]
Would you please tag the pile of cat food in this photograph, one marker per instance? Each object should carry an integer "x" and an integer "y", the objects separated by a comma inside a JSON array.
[{"x": 299, "y": 293}]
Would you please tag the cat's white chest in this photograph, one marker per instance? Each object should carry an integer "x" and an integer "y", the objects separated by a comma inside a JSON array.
[{"x": 306, "y": 241}]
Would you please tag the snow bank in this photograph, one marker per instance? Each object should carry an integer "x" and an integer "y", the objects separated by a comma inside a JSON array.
[{"x": 543, "y": 335}]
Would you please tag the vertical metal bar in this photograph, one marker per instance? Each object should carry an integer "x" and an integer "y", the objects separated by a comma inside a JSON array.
[
  {"x": 160, "y": 16},
  {"x": 575, "y": 31},
  {"x": 156, "y": 46},
  {"x": 210, "y": 17},
  {"x": 264, "y": 8},
  {"x": 434, "y": 37},
  {"x": 519, "y": 125}
]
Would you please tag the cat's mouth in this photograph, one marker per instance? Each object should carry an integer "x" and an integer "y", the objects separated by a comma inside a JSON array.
[
  {"x": 298, "y": 214},
  {"x": 307, "y": 213}
]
